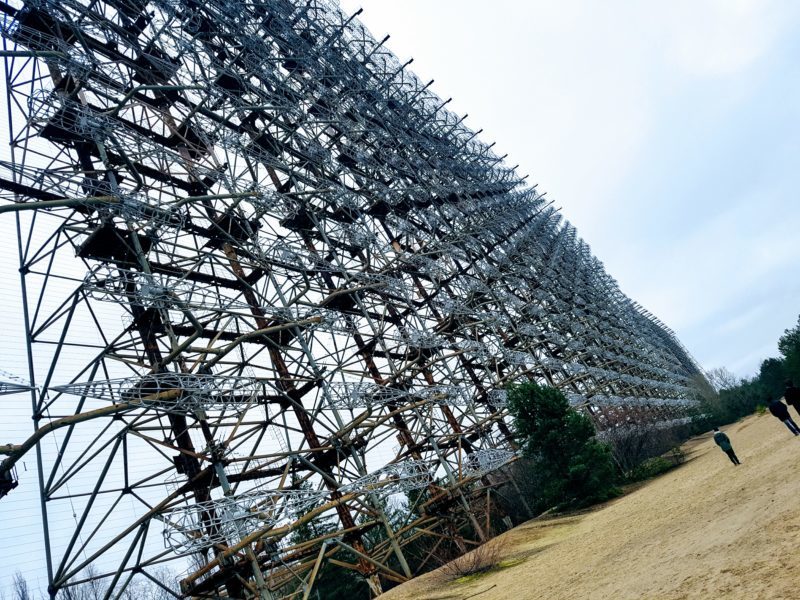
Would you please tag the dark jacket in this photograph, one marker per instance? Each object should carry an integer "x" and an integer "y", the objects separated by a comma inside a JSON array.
[
  {"x": 779, "y": 410},
  {"x": 723, "y": 441},
  {"x": 792, "y": 396}
]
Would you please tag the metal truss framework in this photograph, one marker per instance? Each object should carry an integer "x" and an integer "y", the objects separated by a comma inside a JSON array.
[{"x": 290, "y": 284}]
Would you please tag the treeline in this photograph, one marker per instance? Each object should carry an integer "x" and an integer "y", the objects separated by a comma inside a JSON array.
[{"x": 726, "y": 398}]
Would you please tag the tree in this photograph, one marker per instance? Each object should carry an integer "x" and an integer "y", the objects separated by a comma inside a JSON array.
[
  {"x": 789, "y": 345},
  {"x": 160, "y": 585},
  {"x": 21, "y": 590},
  {"x": 772, "y": 376},
  {"x": 740, "y": 401},
  {"x": 570, "y": 467},
  {"x": 721, "y": 378},
  {"x": 155, "y": 587}
]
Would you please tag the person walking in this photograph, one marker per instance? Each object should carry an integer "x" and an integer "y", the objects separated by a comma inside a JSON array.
[
  {"x": 780, "y": 411},
  {"x": 792, "y": 396},
  {"x": 724, "y": 442}
]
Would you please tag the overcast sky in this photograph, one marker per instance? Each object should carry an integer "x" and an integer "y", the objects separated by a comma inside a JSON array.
[{"x": 669, "y": 133}]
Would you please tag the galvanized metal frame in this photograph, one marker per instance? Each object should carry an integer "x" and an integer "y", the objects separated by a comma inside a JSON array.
[{"x": 290, "y": 284}]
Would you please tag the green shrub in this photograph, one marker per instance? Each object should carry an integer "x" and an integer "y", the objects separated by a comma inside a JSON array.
[
  {"x": 761, "y": 409},
  {"x": 650, "y": 468}
]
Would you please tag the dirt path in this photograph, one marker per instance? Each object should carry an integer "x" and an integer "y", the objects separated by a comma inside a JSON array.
[{"x": 705, "y": 530}]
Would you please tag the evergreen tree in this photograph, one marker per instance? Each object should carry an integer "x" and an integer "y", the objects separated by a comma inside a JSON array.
[
  {"x": 772, "y": 376},
  {"x": 789, "y": 345},
  {"x": 570, "y": 467}
]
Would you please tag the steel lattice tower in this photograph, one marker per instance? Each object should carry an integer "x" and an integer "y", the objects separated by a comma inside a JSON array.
[{"x": 267, "y": 277}]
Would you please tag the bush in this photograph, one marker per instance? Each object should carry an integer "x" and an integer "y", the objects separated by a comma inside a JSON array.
[
  {"x": 570, "y": 468},
  {"x": 484, "y": 558},
  {"x": 642, "y": 442},
  {"x": 677, "y": 455},
  {"x": 650, "y": 468},
  {"x": 761, "y": 409}
]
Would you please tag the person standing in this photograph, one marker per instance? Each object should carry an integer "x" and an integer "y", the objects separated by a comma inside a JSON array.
[
  {"x": 780, "y": 411},
  {"x": 792, "y": 396},
  {"x": 724, "y": 442}
]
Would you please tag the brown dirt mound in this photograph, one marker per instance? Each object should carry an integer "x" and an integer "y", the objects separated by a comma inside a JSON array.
[{"x": 704, "y": 530}]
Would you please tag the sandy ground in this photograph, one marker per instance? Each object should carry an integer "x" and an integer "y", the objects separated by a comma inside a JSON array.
[{"x": 707, "y": 529}]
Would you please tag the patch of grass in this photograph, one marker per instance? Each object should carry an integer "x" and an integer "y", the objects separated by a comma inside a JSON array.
[
  {"x": 473, "y": 577},
  {"x": 511, "y": 562},
  {"x": 761, "y": 409}
]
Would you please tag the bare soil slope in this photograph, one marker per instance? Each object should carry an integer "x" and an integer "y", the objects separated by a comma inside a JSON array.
[{"x": 707, "y": 529}]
